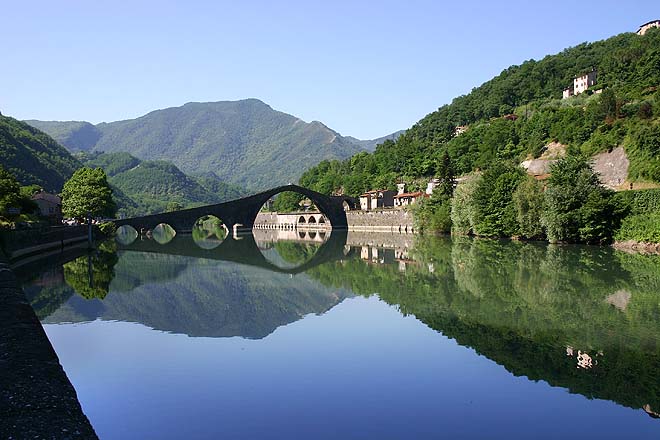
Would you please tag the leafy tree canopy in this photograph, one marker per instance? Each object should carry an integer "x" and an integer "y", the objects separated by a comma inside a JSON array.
[{"x": 88, "y": 191}]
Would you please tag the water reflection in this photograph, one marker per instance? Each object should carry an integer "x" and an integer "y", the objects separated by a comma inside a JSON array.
[
  {"x": 544, "y": 312},
  {"x": 126, "y": 235},
  {"x": 209, "y": 232},
  {"x": 582, "y": 318},
  {"x": 163, "y": 233},
  {"x": 288, "y": 249}
]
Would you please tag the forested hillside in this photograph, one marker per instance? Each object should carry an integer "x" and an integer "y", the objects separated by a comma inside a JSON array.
[
  {"x": 144, "y": 187},
  {"x": 33, "y": 156},
  {"x": 625, "y": 113}
]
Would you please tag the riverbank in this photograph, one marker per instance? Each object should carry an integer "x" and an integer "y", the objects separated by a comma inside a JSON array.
[
  {"x": 637, "y": 247},
  {"x": 36, "y": 398},
  {"x": 23, "y": 243}
]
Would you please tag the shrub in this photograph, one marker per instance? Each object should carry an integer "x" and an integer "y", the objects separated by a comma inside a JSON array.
[
  {"x": 433, "y": 214},
  {"x": 640, "y": 227},
  {"x": 640, "y": 201}
]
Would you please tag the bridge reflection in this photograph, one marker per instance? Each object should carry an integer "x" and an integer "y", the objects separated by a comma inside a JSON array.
[{"x": 246, "y": 249}]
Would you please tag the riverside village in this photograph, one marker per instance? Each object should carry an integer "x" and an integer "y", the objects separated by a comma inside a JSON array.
[{"x": 467, "y": 247}]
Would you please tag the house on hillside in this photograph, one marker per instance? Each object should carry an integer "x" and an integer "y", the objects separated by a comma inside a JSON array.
[
  {"x": 646, "y": 26},
  {"x": 406, "y": 199},
  {"x": 379, "y": 198},
  {"x": 50, "y": 206},
  {"x": 460, "y": 130},
  {"x": 581, "y": 84}
]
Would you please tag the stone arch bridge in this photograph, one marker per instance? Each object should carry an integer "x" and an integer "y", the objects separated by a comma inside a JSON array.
[{"x": 241, "y": 213}]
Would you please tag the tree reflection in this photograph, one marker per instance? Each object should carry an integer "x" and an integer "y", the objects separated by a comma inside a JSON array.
[
  {"x": 544, "y": 312},
  {"x": 90, "y": 275},
  {"x": 209, "y": 232},
  {"x": 287, "y": 254}
]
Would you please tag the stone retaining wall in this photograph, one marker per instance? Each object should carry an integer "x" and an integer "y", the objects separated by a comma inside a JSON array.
[
  {"x": 18, "y": 244},
  {"x": 386, "y": 220},
  {"x": 397, "y": 221},
  {"x": 36, "y": 398}
]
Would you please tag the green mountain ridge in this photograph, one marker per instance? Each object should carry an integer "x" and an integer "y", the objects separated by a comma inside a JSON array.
[
  {"x": 244, "y": 142},
  {"x": 33, "y": 156}
]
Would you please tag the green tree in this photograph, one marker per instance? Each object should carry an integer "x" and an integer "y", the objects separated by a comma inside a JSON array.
[
  {"x": 10, "y": 191},
  {"x": 578, "y": 208},
  {"x": 173, "y": 206},
  {"x": 463, "y": 209},
  {"x": 528, "y": 201},
  {"x": 88, "y": 191},
  {"x": 495, "y": 214},
  {"x": 287, "y": 201},
  {"x": 446, "y": 176}
]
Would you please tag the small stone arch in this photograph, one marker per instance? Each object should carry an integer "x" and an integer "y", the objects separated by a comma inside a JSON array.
[
  {"x": 126, "y": 235},
  {"x": 311, "y": 220},
  {"x": 302, "y": 219},
  {"x": 163, "y": 233},
  {"x": 312, "y": 235},
  {"x": 302, "y": 234},
  {"x": 321, "y": 220}
]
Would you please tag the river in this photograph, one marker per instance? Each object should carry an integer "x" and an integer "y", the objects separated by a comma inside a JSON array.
[{"x": 371, "y": 336}]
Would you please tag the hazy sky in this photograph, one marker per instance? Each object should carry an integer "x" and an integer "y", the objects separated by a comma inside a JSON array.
[{"x": 363, "y": 68}]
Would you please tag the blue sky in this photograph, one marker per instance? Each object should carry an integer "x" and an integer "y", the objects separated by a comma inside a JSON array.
[{"x": 363, "y": 68}]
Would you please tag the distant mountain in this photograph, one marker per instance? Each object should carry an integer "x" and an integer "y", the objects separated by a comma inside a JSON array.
[
  {"x": 246, "y": 142},
  {"x": 152, "y": 184},
  {"x": 370, "y": 145},
  {"x": 75, "y": 135},
  {"x": 33, "y": 156}
]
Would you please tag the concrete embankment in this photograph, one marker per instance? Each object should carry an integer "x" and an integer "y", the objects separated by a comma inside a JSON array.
[{"x": 36, "y": 398}]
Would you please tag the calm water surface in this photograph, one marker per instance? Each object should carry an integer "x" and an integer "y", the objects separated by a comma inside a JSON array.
[{"x": 379, "y": 336}]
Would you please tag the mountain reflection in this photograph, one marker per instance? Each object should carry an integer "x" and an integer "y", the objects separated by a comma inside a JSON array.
[{"x": 583, "y": 318}]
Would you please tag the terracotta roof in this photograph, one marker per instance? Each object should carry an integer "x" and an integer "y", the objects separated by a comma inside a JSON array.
[
  {"x": 52, "y": 198},
  {"x": 415, "y": 194}
]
